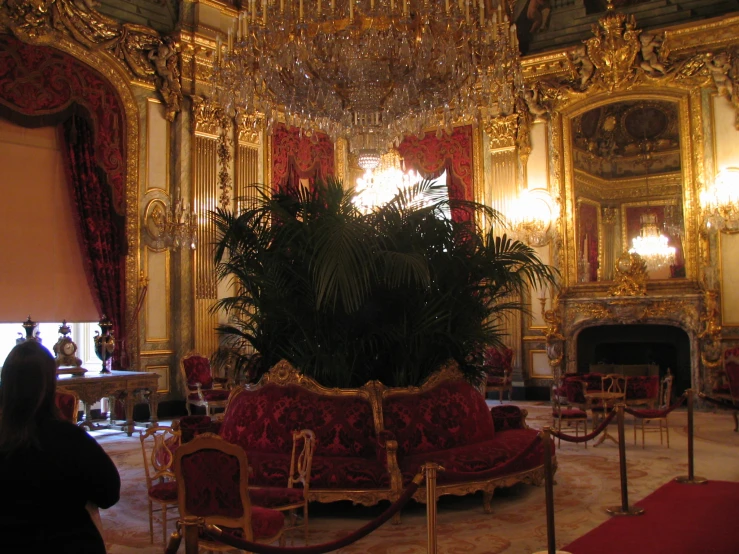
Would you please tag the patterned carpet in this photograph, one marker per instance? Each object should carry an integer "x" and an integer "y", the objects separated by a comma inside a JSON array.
[{"x": 587, "y": 480}]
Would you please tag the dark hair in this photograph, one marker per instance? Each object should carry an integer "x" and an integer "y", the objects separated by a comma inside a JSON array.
[{"x": 27, "y": 388}]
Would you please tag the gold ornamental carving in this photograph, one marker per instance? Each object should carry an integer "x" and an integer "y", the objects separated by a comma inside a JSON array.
[
  {"x": 612, "y": 51},
  {"x": 630, "y": 276},
  {"x": 225, "y": 182},
  {"x": 503, "y": 132},
  {"x": 249, "y": 127},
  {"x": 710, "y": 333},
  {"x": 145, "y": 55}
]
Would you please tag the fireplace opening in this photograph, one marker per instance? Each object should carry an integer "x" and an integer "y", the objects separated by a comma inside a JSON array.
[{"x": 664, "y": 346}]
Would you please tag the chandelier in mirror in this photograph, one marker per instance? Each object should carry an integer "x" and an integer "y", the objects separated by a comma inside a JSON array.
[
  {"x": 382, "y": 180},
  {"x": 532, "y": 216},
  {"x": 652, "y": 245},
  {"x": 371, "y": 71},
  {"x": 720, "y": 201}
]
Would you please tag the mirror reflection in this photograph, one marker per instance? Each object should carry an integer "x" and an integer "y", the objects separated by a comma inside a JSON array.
[{"x": 628, "y": 188}]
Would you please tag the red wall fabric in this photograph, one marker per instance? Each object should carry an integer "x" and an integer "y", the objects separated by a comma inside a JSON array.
[
  {"x": 298, "y": 156},
  {"x": 432, "y": 154},
  {"x": 39, "y": 80},
  {"x": 588, "y": 221}
]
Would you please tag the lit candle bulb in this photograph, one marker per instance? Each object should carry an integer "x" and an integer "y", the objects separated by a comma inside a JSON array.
[
  {"x": 264, "y": 12},
  {"x": 482, "y": 13},
  {"x": 318, "y": 9},
  {"x": 351, "y": 11},
  {"x": 218, "y": 49},
  {"x": 301, "y": 10}
]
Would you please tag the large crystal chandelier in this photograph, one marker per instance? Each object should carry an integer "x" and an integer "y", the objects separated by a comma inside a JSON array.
[
  {"x": 652, "y": 245},
  {"x": 382, "y": 181},
  {"x": 720, "y": 201},
  {"x": 371, "y": 71}
]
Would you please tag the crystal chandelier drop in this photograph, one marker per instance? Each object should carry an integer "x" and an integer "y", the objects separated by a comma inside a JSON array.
[
  {"x": 720, "y": 201},
  {"x": 532, "y": 215},
  {"x": 652, "y": 245},
  {"x": 381, "y": 183},
  {"x": 371, "y": 71}
]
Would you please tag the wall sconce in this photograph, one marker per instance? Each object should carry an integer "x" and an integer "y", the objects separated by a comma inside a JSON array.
[
  {"x": 719, "y": 202},
  {"x": 532, "y": 217},
  {"x": 171, "y": 224}
]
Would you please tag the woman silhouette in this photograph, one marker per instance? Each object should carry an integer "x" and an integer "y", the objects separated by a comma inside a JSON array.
[{"x": 51, "y": 469}]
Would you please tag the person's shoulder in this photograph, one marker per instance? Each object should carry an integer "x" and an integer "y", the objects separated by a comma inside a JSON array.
[{"x": 62, "y": 429}]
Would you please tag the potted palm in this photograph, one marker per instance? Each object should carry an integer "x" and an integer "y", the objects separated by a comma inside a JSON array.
[{"x": 349, "y": 297}]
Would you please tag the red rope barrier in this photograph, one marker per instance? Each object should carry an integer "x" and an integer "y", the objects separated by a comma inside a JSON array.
[
  {"x": 495, "y": 471},
  {"x": 651, "y": 414},
  {"x": 217, "y": 534},
  {"x": 723, "y": 402},
  {"x": 585, "y": 438}
]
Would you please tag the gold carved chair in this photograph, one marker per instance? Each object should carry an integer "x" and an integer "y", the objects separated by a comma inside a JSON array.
[
  {"x": 158, "y": 444},
  {"x": 295, "y": 496},
  {"x": 498, "y": 367},
  {"x": 213, "y": 484},
  {"x": 654, "y": 415},
  {"x": 203, "y": 389},
  {"x": 568, "y": 414}
]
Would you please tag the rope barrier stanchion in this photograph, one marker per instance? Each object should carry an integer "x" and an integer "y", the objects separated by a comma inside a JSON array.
[
  {"x": 624, "y": 509},
  {"x": 549, "y": 493},
  {"x": 431, "y": 469},
  {"x": 174, "y": 541},
  {"x": 191, "y": 529},
  {"x": 690, "y": 478}
]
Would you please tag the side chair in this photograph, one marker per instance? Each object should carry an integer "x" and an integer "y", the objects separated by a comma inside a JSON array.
[
  {"x": 295, "y": 496},
  {"x": 67, "y": 402},
  {"x": 158, "y": 444},
  {"x": 498, "y": 366},
  {"x": 213, "y": 484},
  {"x": 570, "y": 415},
  {"x": 203, "y": 389},
  {"x": 654, "y": 415}
]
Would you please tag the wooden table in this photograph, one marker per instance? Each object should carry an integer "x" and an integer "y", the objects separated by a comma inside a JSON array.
[
  {"x": 608, "y": 399},
  {"x": 93, "y": 386}
]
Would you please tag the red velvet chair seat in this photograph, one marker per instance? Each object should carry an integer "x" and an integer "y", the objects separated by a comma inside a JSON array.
[
  {"x": 165, "y": 492},
  {"x": 571, "y": 413},
  {"x": 479, "y": 457},
  {"x": 723, "y": 388},
  {"x": 272, "y": 497},
  {"x": 265, "y": 523},
  {"x": 211, "y": 395}
]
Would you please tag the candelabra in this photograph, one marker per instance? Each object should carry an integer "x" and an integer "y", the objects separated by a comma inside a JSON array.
[
  {"x": 720, "y": 201},
  {"x": 532, "y": 217},
  {"x": 173, "y": 225}
]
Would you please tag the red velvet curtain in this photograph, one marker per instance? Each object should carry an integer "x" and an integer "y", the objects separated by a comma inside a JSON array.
[
  {"x": 296, "y": 156},
  {"x": 433, "y": 153},
  {"x": 100, "y": 230},
  {"x": 41, "y": 86}
]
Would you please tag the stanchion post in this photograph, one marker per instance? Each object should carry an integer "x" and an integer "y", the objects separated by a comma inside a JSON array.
[
  {"x": 190, "y": 526},
  {"x": 549, "y": 493},
  {"x": 690, "y": 479},
  {"x": 624, "y": 509},
  {"x": 431, "y": 469}
]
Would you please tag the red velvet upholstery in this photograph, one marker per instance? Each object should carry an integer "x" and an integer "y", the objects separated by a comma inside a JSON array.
[
  {"x": 642, "y": 388},
  {"x": 68, "y": 405},
  {"x": 637, "y": 388},
  {"x": 497, "y": 358},
  {"x": 732, "y": 374},
  {"x": 477, "y": 457},
  {"x": 263, "y": 420},
  {"x": 507, "y": 417},
  {"x": 166, "y": 492},
  {"x": 197, "y": 370},
  {"x": 211, "y": 395},
  {"x": 449, "y": 415},
  {"x": 273, "y": 497}
]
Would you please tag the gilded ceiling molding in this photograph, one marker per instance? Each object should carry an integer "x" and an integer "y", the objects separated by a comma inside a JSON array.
[{"x": 148, "y": 58}]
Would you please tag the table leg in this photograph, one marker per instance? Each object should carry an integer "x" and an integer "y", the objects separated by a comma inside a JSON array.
[
  {"x": 130, "y": 401},
  {"x": 153, "y": 398},
  {"x": 111, "y": 409},
  {"x": 87, "y": 418}
]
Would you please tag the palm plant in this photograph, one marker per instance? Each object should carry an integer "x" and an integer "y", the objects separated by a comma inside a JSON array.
[{"x": 349, "y": 297}]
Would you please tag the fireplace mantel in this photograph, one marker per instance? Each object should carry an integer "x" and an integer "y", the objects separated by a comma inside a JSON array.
[{"x": 580, "y": 309}]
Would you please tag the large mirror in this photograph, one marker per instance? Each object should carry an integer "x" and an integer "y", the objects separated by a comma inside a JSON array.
[{"x": 627, "y": 183}]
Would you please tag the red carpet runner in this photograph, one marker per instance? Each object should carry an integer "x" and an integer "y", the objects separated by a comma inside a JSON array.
[{"x": 678, "y": 519}]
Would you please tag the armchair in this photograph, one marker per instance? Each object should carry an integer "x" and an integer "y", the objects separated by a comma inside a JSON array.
[
  {"x": 213, "y": 484},
  {"x": 202, "y": 388},
  {"x": 497, "y": 364}
]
